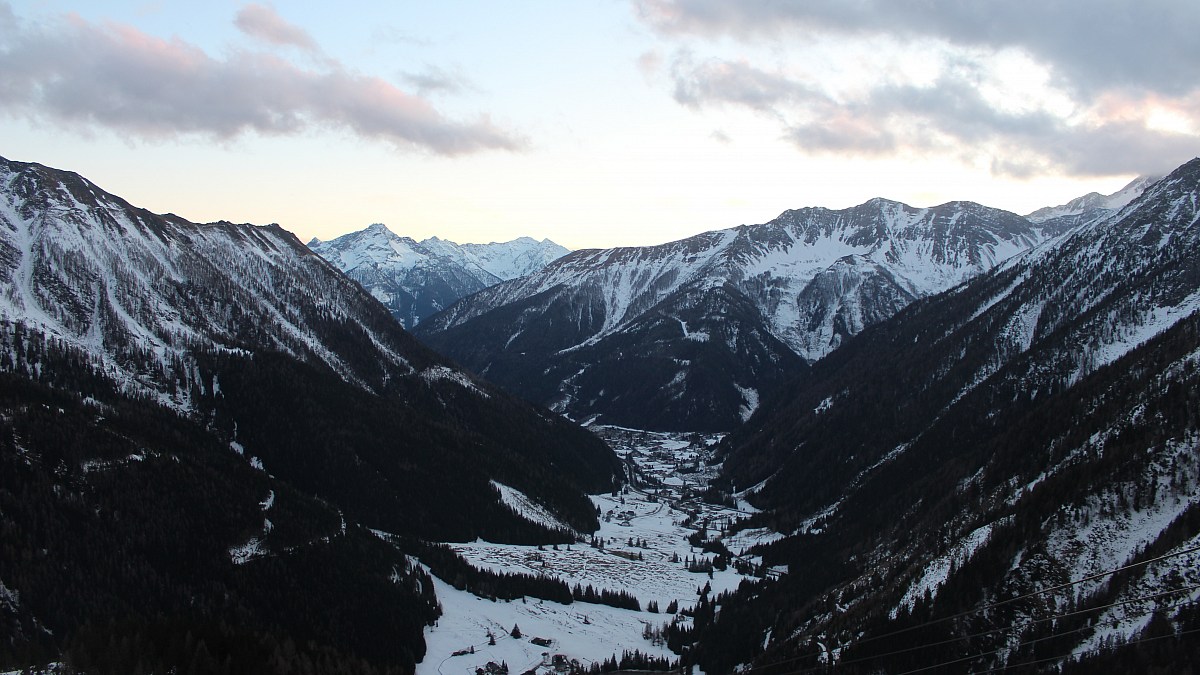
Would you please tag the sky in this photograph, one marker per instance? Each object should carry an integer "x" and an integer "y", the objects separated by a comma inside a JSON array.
[{"x": 594, "y": 123}]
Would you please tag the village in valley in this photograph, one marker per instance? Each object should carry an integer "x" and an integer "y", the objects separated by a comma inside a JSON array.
[{"x": 659, "y": 550}]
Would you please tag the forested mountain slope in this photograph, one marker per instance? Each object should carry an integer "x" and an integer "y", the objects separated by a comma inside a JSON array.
[{"x": 215, "y": 413}]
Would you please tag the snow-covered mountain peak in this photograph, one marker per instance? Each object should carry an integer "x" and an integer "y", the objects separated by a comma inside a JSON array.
[
  {"x": 415, "y": 279},
  {"x": 375, "y": 246}
]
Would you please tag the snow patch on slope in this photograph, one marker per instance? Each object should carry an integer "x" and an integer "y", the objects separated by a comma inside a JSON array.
[
  {"x": 938, "y": 570},
  {"x": 1130, "y": 336},
  {"x": 436, "y": 373},
  {"x": 240, "y": 555},
  {"x": 1157, "y": 590},
  {"x": 9, "y": 599},
  {"x": 525, "y": 507},
  {"x": 1109, "y": 537}
]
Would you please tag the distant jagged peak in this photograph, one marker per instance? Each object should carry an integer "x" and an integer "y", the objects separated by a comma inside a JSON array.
[
  {"x": 415, "y": 279},
  {"x": 1094, "y": 200},
  {"x": 520, "y": 241},
  {"x": 377, "y": 232},
  {"x": 504, "y": 260}
]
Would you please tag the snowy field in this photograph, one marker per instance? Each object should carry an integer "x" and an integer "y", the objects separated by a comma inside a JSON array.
[
  {"x": 581, "y": 631},
  {"x": 645, "y": 551}
]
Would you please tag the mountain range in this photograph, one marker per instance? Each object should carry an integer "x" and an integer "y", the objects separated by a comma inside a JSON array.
[
  {"x": 692, "y": 334},
  {"x": 416, "y": 279},
  {"x": 972, "y": 434}
]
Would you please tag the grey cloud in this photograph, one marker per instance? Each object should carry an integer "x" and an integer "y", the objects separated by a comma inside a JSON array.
[
  {"x": 824, "y": 125},
  {"x": 262, "y": 22},
  {"x": 1091, "y": 46},
  {"x": 8, "y": 21},
  {"x": 434, "y": 79},
  {"x": 950, "y": 116},
  {"x": 954, "y": 111},
  {"x": 734, "y": 82},
  {"x": 844, "y": 133},
  {"x": 119, "y": 78},
  {"x": 1122, "y": 147}
]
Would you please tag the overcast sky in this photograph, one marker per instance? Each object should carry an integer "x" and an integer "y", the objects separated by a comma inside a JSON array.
[{"x": 594, "y": 122}]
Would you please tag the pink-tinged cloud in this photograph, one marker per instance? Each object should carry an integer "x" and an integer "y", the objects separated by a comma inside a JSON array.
[
  {"x": 119, "y": 78},
  {"x": 263, "y": 23}
]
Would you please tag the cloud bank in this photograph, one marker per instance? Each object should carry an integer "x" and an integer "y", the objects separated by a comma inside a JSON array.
[
  {"x": 1115, "y": 71},
  {"x": 117, "y": 77}
]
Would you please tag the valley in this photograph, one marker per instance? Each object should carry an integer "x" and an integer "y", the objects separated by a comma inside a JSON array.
[{"x": 645, "y": 528}]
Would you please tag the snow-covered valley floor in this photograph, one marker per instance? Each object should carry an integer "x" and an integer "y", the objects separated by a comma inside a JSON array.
[{"x": 645, "y": 552}]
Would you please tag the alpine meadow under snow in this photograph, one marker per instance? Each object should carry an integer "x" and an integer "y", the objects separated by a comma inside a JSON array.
[{"x": 878, "y": 439}]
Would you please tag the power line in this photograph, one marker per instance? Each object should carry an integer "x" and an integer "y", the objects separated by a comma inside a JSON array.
[
  {"x": 1063, "y": 656},
  {"x": 1026, "y": 596},
  {"x": 1031, "y": 594},
  {"x": 1001, "y": 649},
  {"x": 1055, "y": 617}
]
